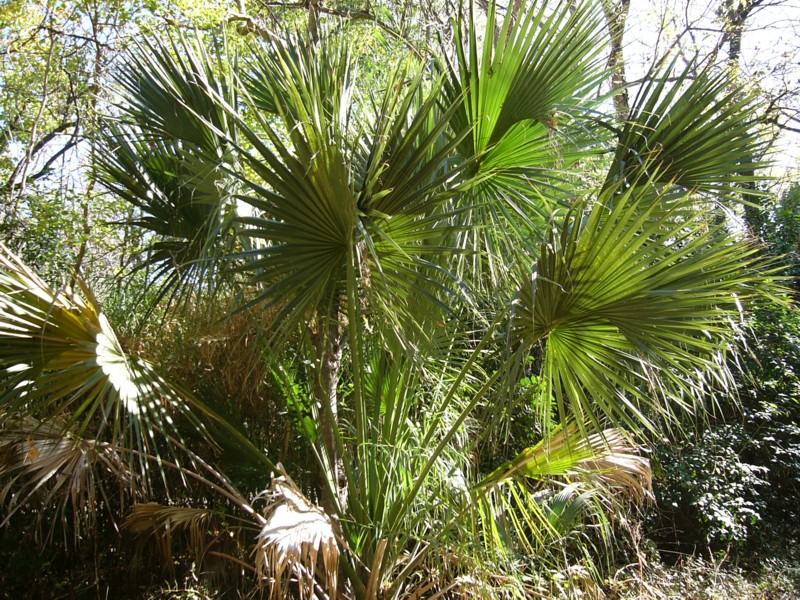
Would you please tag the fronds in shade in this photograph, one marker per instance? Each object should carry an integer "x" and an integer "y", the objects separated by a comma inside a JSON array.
[
  {"x": 636, "y": 303},
  {"x": 77, "y": 475},
  {"x": 296, "y": 535},
  {"x": 153, "y": 522},
  {"x": 169, "y": 154}
]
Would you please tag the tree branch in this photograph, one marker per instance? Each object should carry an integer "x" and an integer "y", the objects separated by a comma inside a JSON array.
[{"x": 12, "y": 185}]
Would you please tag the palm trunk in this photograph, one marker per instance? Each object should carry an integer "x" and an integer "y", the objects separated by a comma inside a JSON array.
[{"x": 327, "y": 341}]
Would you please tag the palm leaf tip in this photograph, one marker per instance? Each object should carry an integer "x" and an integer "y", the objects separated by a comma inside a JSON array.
[
  {"x": 620, "y": 469},
  {"x": 295, "y": 536}
]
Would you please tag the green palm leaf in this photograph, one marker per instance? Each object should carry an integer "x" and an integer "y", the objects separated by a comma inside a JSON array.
[
  {"x": 340, "y": 185},
  {"x": 524, "y": 92},
  {"x": 517, "y": 506},
  {"x": 604, "y": 457},
  {"x": 636, "y": 308},
  {"x": 540, "y": 64},
  {"x": 695, "y": 132},
  {"x": 60, "y": 356},
  {"x": 61, "y": 361},
  {"x": 167, "y": 154}
]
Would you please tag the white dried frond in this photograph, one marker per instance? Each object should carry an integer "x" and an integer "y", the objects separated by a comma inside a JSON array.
[
  {"x": 296, "y": 536},
  {"x": 619, "y": 468},
  {"x": 49, "y": 463}
]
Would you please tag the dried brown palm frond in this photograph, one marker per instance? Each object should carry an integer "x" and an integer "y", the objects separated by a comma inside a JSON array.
[
  {"x": 621, "y": 469},
  {"x": 41, "y": 462},
  {"x": 222, "y": 355},
  {"x": 161, "y": 525},
  {"x": 605, "y": 458},
  {"x": 296, "y": 536}
]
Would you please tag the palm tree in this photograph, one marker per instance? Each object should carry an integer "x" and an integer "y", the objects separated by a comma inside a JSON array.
[{"x": 429, "y": 244}]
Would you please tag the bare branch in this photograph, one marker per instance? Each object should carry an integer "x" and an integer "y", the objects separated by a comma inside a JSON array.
[{"x": 19, "y": 176}]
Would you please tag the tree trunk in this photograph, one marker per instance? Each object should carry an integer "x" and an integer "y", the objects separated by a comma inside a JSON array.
[
  {"x": 94, "y": 93},
  {"x": 327, "y": 339},
  {"x": 734, "y": 14},
  {"x": 313, "y": 19},
  {"x": 616, "y": 14}
]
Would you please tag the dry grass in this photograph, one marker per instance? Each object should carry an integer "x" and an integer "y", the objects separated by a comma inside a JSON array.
[
  {"x": 693, "y": 578},
  {"x": 221, "y": 357}
]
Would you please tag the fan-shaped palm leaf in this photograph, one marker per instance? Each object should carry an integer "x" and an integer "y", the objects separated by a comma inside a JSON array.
[
  {"x": 523, "y": 90},
  {"x": 636, "y": 307},
  {"x": 696, "y": 132},
  {"x": 605, "y": 457},
  {"x": 167, "y": 153},
  {"x": 60, "y": 359},
  {"x": 341, "y": 188},
  {"x": 546, "y": 492},
  {"x": 542, "y": 63}
]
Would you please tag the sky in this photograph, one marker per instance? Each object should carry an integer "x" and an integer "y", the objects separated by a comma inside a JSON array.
[{"x": 770, "y": 52}]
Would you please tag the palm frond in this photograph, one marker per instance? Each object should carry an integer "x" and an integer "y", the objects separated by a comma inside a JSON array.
[
  {"x": 339, "y": 184},
  {"x": 296, "y": 534},
  {"x": 605, "y": 457},
  {"x": 540, "y": 64},
  {"x": 524, "y": 90},
  {"x": 61, "y": 360},
  {"x": 45, "y": 466},
  {"x": 167, "y": 153},
  {"x": 697, "y": 132},
  {"x": 164, "y": 525},
  {"x": 635, "y": 306}
]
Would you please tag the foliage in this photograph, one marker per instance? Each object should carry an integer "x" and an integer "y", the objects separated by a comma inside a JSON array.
[
  {"x": 772, "y": 418},
  {"x": 782, "y": 229},
  {"x": 406, "y": 259},
  {"x": 708, "y": 496},
  {"x": 730, "y": 484}
]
